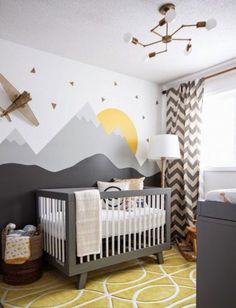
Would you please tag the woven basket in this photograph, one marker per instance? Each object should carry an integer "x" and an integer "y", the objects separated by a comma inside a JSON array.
[
  {"x": 19, "y": 274},
  {"x": 31, "y": 270}
]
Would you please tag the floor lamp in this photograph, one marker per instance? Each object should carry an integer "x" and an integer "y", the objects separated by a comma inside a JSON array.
[{"x": 164, "y": 147}]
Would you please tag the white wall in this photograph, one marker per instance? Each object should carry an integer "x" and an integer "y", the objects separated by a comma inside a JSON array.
[{"x": 50, "y": 84}]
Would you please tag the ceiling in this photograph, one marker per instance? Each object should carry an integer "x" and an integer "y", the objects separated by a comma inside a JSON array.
[{"x": 91, "y": 31}]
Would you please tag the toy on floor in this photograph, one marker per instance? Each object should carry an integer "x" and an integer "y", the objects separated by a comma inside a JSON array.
[{"x": 188, "y": 247}]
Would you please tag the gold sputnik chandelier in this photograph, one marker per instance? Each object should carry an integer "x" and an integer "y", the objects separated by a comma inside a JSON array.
[{"x": 168, "y": 10}]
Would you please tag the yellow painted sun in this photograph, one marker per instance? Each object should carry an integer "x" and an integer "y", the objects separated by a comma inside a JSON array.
[{"x": 112, "y": 118}]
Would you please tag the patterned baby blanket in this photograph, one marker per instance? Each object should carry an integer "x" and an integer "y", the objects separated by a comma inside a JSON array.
[{"x": 17, "y": 249}]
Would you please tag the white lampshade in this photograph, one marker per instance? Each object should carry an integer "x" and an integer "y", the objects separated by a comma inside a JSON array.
[
  {"x": 170, "y": 15},
  {"x": 210, "y": 24},
  {"x": 164, "y": 146}
]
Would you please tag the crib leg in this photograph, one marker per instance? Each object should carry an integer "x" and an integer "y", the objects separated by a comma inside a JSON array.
[
  {"x": 160, "y": 259},
  {"x": 81, "y": 280}
]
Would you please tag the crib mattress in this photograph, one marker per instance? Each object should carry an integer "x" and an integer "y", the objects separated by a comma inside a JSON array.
[
  {"x": 218, "y": 195},
  {"x": 113, "y": 222}
]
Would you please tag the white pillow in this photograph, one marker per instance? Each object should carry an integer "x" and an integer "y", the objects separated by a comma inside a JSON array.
[{"x": 112, "y": 186}]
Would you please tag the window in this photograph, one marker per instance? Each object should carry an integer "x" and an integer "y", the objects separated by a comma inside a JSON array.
[{"x": 219, "y": 130}]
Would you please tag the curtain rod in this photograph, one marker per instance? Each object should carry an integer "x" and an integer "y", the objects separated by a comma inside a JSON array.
[{"x": 212, "y": 75}]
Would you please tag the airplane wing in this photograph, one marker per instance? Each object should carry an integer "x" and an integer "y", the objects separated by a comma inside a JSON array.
[
  {"x": 28, "y": 114},
  {"x": 11, "y": 91}
]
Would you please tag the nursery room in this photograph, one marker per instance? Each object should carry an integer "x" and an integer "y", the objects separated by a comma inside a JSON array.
[{"x": 117, "y": 153}]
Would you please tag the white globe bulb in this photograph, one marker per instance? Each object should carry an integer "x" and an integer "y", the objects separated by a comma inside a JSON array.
[
  {"x": 210, "y": 24},
  {"x": 170, "y": 15},
  {"x": 187, "y": 52},
  {"x": 146, "y": 58},
  {"x": 127, "y": 37}
]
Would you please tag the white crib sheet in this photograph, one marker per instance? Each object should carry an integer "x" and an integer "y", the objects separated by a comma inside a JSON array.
[{"x": 110, "y": 222}]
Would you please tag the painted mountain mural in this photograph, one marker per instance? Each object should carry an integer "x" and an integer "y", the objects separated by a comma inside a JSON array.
[{"x": 81, "y": 138}]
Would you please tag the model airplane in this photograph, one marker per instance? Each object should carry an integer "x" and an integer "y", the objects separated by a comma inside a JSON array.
[{"x": 19, "y": 102}]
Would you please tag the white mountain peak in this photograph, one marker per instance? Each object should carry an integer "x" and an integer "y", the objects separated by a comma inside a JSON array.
[
  {"x": 15, "y": 136},
  {"x": 87, "y": 113}
]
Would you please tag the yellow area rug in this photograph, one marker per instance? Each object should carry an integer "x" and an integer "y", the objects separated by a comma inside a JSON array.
[{"x": 140, "y": 283}]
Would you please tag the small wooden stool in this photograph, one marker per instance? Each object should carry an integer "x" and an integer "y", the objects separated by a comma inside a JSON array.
[{"x": 188, "y": 247}]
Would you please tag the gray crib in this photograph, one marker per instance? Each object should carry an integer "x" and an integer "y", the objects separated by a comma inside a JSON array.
[{"x": 136, "y": 231}]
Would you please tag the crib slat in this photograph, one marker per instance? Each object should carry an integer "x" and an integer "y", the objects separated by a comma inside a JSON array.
[
  {"x": 101, "y": 249},
  {"x": 45, "y": 216},
  {"x": 153, "y": 221},
  {"x": 158, "y": 220},
  {"x": 50, "y": 226},
  {"x": 124, "y": 227},
  {"x": 140, "y": 222},
  {"x": 55, "y": 209},
  {"x": 118, "y": 237},
  {"x": 53, "y": 227},
  {"x": 145, "y": 216},
  {"x": 129, "y": 210},
  {"x": 42, "y": 201},
  {"x": 59, "y": 229},
  {"x": 162, "y": 210},
  {"x": 113, "y": 228},
  {"x": 47, "y": 224},
  {"x": 63, "y": 230},
  {"x": 135, "y": 221},
  {"x": 149, "y": 221},
  {"x": 107, "y": 238}
]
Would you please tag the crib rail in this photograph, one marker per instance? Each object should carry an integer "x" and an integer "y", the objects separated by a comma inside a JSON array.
[
  {"x": 52, "y": 215},
  {"x": 131, "y": 221}
]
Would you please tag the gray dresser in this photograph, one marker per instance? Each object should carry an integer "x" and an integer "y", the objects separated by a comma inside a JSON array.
[{"x": 216, "y": 260}]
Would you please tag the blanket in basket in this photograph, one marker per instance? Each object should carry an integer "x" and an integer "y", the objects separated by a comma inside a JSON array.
[{"x": 17, "y": 249}]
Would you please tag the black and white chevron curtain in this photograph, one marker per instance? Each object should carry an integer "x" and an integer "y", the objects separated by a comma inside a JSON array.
[{"x": 184, "y": 108}]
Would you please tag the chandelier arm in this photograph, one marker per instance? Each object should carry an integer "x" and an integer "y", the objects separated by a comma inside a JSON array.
[
  {"x": 181, "y": 39},
  {"x": 153, "y": 43},
  {"x": 139, "y": 43},
  {"x": 167, "y": 28},
  {"x": 162, "y": 51},
  {"x": 181, "y": 27},
  {"x": 157, "y": 33},
  {"x": 159, "y": 52},
  {"x": 153, "y": 29}
]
